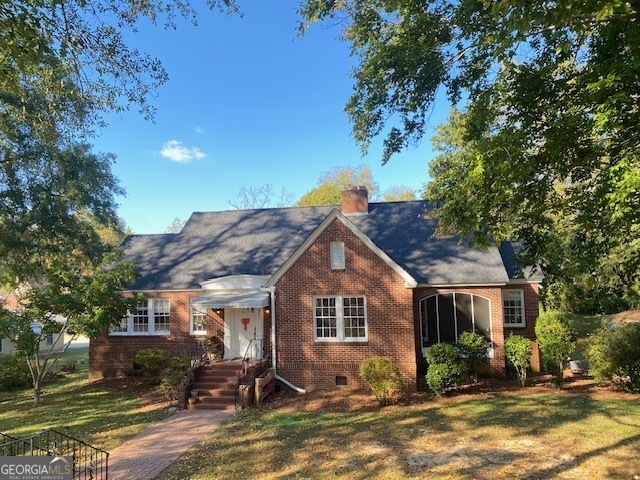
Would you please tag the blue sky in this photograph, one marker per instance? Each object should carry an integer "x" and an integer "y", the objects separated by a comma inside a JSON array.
[{"x": 247, "y": 103}]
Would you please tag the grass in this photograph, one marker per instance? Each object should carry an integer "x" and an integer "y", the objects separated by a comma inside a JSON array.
[
  {"x": 513, "y": 436},
  {"x": 103, "y": 414}
]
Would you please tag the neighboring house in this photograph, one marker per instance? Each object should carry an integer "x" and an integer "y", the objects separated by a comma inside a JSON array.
[
  {"x": 325, "y": 287},
  {"x": 12, "y": 301}
]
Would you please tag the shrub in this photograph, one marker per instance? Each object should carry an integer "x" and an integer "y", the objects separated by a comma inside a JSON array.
[
  {"x": 614, "y": 354},
  {"x": 557, "y": 341},
  {"x": 169, "y": 380},
  {"x": 14, "y": 373},
  {"x": 152, "y": 361},
  {"x": 446, "y": 369},
  {"x": 384, "y": 377},
  {"x": 474, "y": 348},
  {"x": 517, "y": 349}
]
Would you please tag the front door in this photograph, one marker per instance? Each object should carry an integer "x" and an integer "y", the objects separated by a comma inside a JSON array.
[{"x": 241, "y": 325}]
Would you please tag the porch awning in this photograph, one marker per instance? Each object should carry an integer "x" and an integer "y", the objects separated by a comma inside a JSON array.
[{"x": 233, "y": 300}]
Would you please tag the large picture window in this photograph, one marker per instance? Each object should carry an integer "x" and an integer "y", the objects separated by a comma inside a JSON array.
[
  {"x": 340, "y": 319},
  {"x": 151, "y": 317},
  {"x": 445, "y": 316},
  {"x": 513, "y": 308}
]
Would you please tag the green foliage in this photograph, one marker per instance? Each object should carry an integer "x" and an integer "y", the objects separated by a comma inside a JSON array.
[
  {"x": 517, "y": 350},
  {"x": 158, "y": 365},
  {"x": 384, "y": 377},
  {"x": 445, "y": 369},
  {"x": 332, "y": 183},
  {"x": 474, "y": 348},
  {"x": 557, "y": 340},
  {"x": 76, "y": 55},
  {"x": 398, "y": 193},
  {"x": 170, "y": 378},
  {"x": 614, "y": 355},
  {"x": 545, "y": 148},
  {"x": 152, "y": 361},
  {"x": 14, "y": 373}
]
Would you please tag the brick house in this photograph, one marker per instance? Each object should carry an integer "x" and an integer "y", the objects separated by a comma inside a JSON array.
[{"x": 322, "y": 288}]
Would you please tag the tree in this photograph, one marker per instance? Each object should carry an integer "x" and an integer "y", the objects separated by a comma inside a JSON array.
[
  {"x": 517, "y": 350},
  {"x": 398, "y": 193},
  {"x": 332, "y": 183},
  {"x": 68, "y": 302},
  {"x": 57, "y": 197},
  {"x": 176, "y": 226},
  {"x": 550, "y": 129},
  {"x": 557, "y": 340},
  {"x": 250, "y": 198},
  {"x": 76, "y": 50}
]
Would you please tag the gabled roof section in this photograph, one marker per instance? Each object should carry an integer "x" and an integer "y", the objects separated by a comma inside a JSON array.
[
  {"x": 329, "y": 219},
  {"x": 260, "y": 242}
]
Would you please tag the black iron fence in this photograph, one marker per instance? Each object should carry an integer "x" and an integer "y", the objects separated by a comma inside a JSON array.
[{"x": 89, "y": 463}]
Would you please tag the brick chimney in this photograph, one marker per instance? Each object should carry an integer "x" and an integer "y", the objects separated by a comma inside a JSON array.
[{"x": 355, "y": 201}]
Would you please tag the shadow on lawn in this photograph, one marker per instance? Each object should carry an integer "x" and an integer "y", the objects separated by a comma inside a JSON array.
[{"x": 368, "y": 444}]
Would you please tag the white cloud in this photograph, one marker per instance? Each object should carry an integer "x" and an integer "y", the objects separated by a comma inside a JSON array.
[
  {"x": 177, "y": 151},
  {"x": 199, "y": 129}
]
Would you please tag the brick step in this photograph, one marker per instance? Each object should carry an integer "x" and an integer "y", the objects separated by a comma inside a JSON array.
[
  {"x": 218, "y": 371},
  {"x": 213, "y": 392},
  {"x": 215, "y": 376},
  {"x": 230, "y": 400},
  {"x": 213, "y": 385},
  {"x": 211, "y": 406}
]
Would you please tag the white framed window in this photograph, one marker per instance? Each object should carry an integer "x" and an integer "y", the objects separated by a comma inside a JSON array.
[
  {"x": 49, "y": 339},
  {"x": 337, "y": 256},
  {"x": 513, "y": 308},
  {"x": 198, "y": 321},
  {"x": 151, "y": 317},
  {"x": 340, "y": 319},
  {"x": 161, "y": 315}
]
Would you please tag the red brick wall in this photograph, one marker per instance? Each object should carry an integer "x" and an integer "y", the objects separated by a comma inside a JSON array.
[
  {"x": 390, "y": 323},
  {"x": 494, "y": 294},
  {"x": 112, "y": 355},
  {"x": 531, "y": 312}
]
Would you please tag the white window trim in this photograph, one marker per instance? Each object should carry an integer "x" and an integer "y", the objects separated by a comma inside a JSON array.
[
  {"x": 522, "y": 324},
  {"x": 337, "y": 257},
  {"x": 191, "y": 330},
  {"x": 151, "y": 320},
  {"x": 340, "y": 321}
]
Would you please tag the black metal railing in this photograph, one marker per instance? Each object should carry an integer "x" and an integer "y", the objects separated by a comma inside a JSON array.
[
  {"x": 89, "y": 462},
  {"x": 252, "y": 356}
]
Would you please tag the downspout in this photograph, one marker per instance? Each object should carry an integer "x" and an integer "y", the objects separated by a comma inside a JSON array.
[{"x": 272, "y": 293}]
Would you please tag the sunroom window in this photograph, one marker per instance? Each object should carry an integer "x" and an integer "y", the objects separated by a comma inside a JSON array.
[{"x": 445, "y": 316}]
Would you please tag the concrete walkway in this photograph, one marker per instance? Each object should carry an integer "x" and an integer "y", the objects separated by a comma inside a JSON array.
[{"x": 150, "y": 452}]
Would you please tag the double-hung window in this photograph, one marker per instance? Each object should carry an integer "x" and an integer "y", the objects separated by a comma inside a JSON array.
[
  {"x": 340, "y": 319},
  {"x": 513, "y": 308},
  {"x": 150, "y": 317},
  {"x": 198, "y": 321}
]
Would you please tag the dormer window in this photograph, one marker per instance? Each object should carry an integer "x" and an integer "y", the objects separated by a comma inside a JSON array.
[{"x": 337, "y": 255}]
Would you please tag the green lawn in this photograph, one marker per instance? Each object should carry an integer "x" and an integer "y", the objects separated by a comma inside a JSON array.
[
  {"x": 521, "y": 435},
  {"x": 102, "y": 413}
]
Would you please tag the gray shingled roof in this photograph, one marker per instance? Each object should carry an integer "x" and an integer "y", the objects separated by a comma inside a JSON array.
[{"x": 258, "y": 242}]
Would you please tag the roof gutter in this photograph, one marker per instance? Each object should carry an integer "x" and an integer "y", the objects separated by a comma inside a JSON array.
[{"x": 272, "y": 294}]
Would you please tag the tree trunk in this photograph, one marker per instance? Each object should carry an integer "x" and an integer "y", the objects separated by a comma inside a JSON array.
[{"x": 36, "y": 395}]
